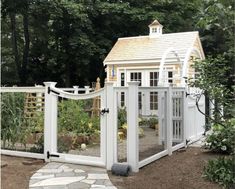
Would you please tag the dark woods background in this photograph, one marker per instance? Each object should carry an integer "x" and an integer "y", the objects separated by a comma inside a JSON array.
[{"x": 67, "y": 40}]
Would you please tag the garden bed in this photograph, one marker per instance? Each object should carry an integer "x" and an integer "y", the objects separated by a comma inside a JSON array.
[{"x": 181, "y": 170}]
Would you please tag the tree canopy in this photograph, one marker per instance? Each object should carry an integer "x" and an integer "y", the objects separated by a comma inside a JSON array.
[{"x": 67, "y": 40}]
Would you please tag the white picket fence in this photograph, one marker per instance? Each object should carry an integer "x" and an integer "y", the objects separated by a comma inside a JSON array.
[{"x": 179, "y": 120}]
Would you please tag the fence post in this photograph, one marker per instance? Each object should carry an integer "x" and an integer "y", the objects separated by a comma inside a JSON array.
[
  {"x": 133, "y": 126},
  {"x": 75, "y": 89},
  {"x": 111, "y": 125},
  {"x": 87, "y": 89},
  {"x": 185, "y": 116},
  {"x": 169, "y": 129},
  {"x": 50, "y": 121}
]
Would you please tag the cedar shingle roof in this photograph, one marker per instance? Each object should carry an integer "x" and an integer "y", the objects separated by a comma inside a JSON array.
[{"x": 148, "y": 48}]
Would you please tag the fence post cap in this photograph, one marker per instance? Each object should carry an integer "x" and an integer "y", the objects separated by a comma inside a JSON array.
[{"x": 50, "y": 83}]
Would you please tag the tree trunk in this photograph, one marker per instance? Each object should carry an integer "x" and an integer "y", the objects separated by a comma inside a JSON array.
[
  {"x": 14, "y": 43},
  {"x": 26, "y": 47}
]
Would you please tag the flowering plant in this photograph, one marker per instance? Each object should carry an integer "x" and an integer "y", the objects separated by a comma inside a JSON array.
[{"x": 222, "y": 138}]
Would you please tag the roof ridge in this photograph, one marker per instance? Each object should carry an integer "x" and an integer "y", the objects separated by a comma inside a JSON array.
[{"x": 164, "y": 34}]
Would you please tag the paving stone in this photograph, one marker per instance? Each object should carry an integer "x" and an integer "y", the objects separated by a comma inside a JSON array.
[
  {"x": 58, "y": 181},
  {"x": 99, "y": 182},
  {"x": 50, "y": 171},
  {"x": 31, "y": 182},
  {"x": 88, "y": 181},
  {"x": 52, "y": 165},
  {"x": 40, "y": 177},
  {"x": 65, "y": 174},
  {"x": 96, "y": 170},
  {"x": 37, "y": 174},
  {"x": 108, "y": 183},
  {"x": 97, "y": 186},
  {"x": 79, "y": 171},
  {"x": 55, "y": 187},
  {"x": 81, "y": 174},
  {"x": 68, "y": 170},
  {"x": 35, "y": 187},
  {"x": 97, "y": 176},
  {"x": 64, "y": 167},
  {"x": 110, "y": 187},
  {"x": 78, "y": 185}
]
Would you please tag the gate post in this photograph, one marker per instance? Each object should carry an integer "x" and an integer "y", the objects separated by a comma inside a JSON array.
[
  {"x": 169, "y": 130},
  {"x": 50, "y": 120},
  {"x": 111, "y": 126},
  {"x": 133, "y": 126}
]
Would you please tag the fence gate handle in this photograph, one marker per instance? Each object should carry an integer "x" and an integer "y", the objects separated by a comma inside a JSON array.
[{"x": 104, "y": 110}]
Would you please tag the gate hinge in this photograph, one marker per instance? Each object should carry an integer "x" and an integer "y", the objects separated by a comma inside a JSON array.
[
  {"x": 51, "y": 155},
  {"x": 187, "y": 94},
  {"x": 50, "y": 90},
  {"x": 103, "y": 111}
]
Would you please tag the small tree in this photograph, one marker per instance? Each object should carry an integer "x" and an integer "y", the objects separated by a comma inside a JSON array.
[{"x": 212, "y": 78}]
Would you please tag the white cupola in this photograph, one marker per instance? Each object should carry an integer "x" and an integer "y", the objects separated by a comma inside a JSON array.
[{"x": 155, "y": 29}]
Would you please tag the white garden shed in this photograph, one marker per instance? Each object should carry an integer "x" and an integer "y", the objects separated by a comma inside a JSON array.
[{"x": 157, "y": 59}]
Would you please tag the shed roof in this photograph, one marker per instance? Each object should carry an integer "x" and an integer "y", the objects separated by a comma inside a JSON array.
[{"x": 149, "y": 48}]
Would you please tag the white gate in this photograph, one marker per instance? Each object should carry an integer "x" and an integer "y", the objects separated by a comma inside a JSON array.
[{"x": 51, "y": 150}]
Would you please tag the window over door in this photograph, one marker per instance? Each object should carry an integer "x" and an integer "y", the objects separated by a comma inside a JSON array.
[
  {"x": 153, "y": 78},
  {"x": 136, "y": 76}
]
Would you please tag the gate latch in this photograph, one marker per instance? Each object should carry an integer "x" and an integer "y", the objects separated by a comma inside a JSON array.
[
  {"x": 51, "y": 155},
  {"x": 103, "y": 111}
]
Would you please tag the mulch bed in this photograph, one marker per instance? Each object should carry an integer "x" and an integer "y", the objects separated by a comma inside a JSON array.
[
  {"x": 182, "y": 170},
  {"x": 16, "y": 175}
]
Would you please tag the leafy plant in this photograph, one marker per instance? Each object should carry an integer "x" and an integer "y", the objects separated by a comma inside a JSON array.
[
  {"x": 222, "y": 138},
  {"x": 150, "y": 122},
  {"x": 122, "y": 117},
  {"x": 12, "y": 106},
  {"x": 221, "y": 171},
  {"x": 15, "y": 127},
  {"x": 74, "y": 116}
]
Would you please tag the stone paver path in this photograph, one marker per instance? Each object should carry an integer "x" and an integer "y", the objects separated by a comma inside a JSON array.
[{"x": 69, "y": 176}]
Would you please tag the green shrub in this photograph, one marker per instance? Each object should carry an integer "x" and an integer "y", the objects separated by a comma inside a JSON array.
[
  {"x": 74, "y": 117},
  {"x": 221, "y": 171},
  {"x": 150, "y": 122},
  {"x": 222, "y": 138}
]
